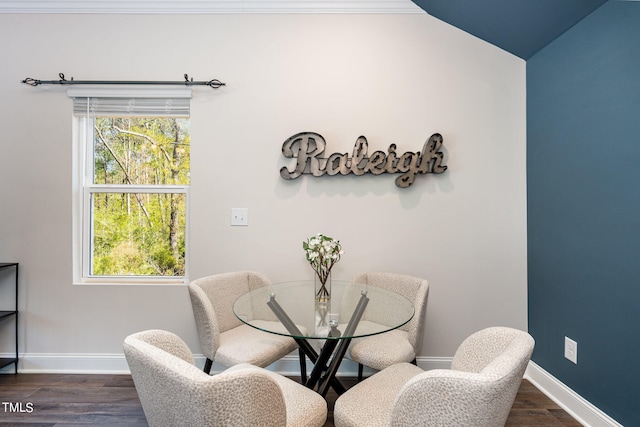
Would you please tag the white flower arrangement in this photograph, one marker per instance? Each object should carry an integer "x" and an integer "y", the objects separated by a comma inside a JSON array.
[{"x": 322, "y": 252}]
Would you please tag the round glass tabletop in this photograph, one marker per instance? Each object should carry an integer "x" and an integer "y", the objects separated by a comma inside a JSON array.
[{"x": 290, "y": 309}]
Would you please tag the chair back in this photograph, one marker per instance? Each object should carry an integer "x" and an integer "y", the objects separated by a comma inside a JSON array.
[
  {"x": 480, "y": 388},
  {"x": 174, "y": 392},
  {"x": 212, "y": 299},
  {"x": 412, "y": 288}
]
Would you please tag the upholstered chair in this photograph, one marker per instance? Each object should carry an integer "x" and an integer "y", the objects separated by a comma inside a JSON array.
[
  {"x": 223, "y": 337},
  {"x": 477, "y": 391},
  {"x": 396, "y": 346},
  {"x": 174, "y": 392}
]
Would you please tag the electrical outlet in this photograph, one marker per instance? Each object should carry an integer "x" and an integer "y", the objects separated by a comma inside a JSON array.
[{"x": 571, "y": 350}]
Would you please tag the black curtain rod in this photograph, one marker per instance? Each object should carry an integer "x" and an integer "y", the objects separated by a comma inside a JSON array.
[{"x": 214, "y": 84}]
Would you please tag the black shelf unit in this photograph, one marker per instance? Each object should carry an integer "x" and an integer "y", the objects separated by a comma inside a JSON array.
[{"x": 4, "y": 314}]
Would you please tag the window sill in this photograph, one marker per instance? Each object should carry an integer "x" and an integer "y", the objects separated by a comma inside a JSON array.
[{"x": 132, "y": 281}]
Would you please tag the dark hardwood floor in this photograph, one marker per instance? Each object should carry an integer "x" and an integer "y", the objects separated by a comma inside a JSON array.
[{"x": 78, "y": 399}]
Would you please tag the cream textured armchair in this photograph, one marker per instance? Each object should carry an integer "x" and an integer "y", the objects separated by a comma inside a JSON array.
[
  {"x": 399, "y": 345},
  {"x": 223, "y": 337},
  {"x": 478, "y": 390},
  {"x": 174, "y": 392}
]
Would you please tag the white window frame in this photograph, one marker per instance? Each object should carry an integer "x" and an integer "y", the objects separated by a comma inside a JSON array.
[{"x": 83, "y": 188}]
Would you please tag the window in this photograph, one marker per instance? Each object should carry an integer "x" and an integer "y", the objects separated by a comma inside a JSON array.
[{"x": 131, "y": 188}]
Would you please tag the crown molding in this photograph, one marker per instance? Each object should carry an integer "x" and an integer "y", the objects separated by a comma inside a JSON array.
[{"x": 206, "y": 6}]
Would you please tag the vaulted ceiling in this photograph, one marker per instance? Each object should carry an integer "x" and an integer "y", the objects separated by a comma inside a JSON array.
[{"x": 521, "y": 27}]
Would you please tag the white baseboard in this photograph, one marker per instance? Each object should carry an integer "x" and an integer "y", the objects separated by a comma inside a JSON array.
[
  {"x": 575, "y": 405},
  {"x": 68, "y": 363}
]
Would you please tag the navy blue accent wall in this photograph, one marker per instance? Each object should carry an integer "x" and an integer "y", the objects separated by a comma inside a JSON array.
[{"x": 583, "y": 171}]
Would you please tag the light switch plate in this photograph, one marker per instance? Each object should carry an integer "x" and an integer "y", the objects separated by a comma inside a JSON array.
[{"x": 239, "y": 216}]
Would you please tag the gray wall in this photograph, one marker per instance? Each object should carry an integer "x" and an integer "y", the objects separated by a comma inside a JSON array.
[
  {"x": 393, "y": 78},
  {"x": 583, "y": 148}
]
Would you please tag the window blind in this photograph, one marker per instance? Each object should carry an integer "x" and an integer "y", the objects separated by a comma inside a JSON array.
[{"x": 139, "y": 103}]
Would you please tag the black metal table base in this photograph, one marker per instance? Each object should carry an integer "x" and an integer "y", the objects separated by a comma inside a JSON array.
[
  {"x": 325, "y": 364},
  {"x": 317, "y": 381}
]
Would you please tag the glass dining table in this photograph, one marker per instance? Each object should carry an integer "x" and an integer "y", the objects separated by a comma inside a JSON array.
[{"x": 323, "y": 330}]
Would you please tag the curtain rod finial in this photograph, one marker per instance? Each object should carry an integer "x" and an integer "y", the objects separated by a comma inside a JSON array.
[
  {"x": 31, "y": 82},
  {"x": 215, "y": 83}
]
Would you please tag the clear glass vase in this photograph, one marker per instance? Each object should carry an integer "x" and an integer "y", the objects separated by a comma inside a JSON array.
[
  {"x": 322, "y": 320},
  {"x": 322, "y": 290},
  {"x": 322, "y": 293}
]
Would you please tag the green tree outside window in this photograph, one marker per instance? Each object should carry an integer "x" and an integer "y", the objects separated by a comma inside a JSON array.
[{"x": 139, "y": 233}]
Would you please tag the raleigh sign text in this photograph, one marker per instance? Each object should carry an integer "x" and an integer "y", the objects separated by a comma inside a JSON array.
[{"x": 308, "y": 148}]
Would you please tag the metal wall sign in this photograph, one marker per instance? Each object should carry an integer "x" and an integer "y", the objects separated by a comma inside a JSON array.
[{"x": 308, "y": 148}]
